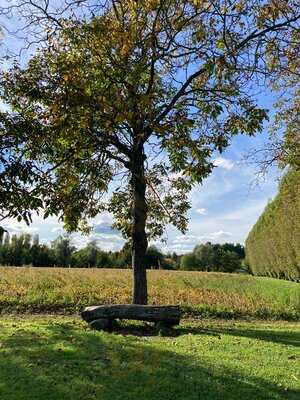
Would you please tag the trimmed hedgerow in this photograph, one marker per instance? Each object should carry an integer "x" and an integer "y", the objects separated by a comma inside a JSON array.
[{"x": 273, "y": 245}]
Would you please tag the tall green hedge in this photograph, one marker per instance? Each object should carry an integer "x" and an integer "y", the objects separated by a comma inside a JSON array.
[{"x": 273, "y": 245}]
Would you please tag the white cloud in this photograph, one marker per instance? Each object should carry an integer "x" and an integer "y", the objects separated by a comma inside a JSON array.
[
  {"x": 219, "y": 235},
  {"x": 106, "y": 242},
  {"x": 104, "y": 218},
  {"x": 201, "y": 211},
  {"x": 186, "y": 243},
  {"x": 224, "y": 163},
  {"x": 185, "y": 239},
  {"x": 57, "y": 230},
  {"x": 18, "y": 228}
]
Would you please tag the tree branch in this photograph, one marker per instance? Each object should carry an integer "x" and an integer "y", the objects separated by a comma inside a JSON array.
[{"x": 254, "y": 35}]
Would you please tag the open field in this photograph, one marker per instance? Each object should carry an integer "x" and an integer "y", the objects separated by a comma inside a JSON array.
[
  {"x": 199, "y": 293},
  {"x": 56, "y": 357}
]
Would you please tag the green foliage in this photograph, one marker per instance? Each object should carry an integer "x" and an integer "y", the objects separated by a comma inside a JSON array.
[
  {"x": 214, "y": 257},
  {"x": 188, "y": 262},
  {"x": 92, "y": 256},
  {"x": 25, "y": 250},
  {"x": 285, "y": 149},
  {"x": 142, "y": 94},
  {"x": 154, "y": 258},
  {"x": 62, "y": 250},
  {"x": 105, "y": 88},
  {"x": 273, "y": 245}
]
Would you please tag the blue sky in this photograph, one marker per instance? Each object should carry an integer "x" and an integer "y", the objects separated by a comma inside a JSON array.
[{"x": 224, "y": 207}]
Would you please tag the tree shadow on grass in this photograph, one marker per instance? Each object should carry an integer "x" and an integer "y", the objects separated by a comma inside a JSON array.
[
  {"x": 147, "y": 329},
  {"x": 275, "y": 336},
  {"x": 64, "y": 361}
]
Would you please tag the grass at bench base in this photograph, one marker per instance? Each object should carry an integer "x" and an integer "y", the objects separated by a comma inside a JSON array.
[{"x": 60, "y": 358}]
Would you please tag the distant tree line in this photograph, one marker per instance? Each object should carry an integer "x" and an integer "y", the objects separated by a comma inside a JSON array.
[
  {"x": 273, "y": 245},
  {"x": 210, "y": 257},
  {"x": 24, "y": 249}
]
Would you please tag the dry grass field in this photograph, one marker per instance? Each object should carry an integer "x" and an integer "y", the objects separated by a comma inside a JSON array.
[{"x": 199, "y": 293}]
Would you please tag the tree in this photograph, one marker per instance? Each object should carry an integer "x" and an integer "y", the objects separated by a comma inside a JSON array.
[
  {"x": 285, "y": 149},
  {"x": 287, "y": 118},
  {"x": 153, "y": 258},
  {"x": 214, "y": 257},
  {"x": 85, "y": 257},
  {"x": 122, "y": 258},
  {"x": 42, "y": 256},
  {"x": 143, "y": 90},
  {"x": 228, "y": 261},
  {"x": 62, "y": 250},
  {"x": 235, "y": 248},
  {"x": 283, "y": 146},
  {"x": 92, "y": 253},
  {"x": 188, "y": 262},
  {"x": 206, "y": 256},
  {"x": 17, "y": 250},
  {"x": 2, "y": 233}
]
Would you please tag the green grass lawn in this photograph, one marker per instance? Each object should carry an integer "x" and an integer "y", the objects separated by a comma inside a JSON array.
[
  {"x": 207, "y": 294},
  {"x": 60, "y": 358}
]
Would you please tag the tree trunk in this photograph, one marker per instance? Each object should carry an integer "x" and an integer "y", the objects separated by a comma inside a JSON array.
[{"x": 139, "y": 216}]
